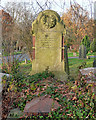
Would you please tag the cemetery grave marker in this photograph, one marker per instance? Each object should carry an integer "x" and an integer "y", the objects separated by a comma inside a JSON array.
[
  {"x": 48, "y": 42},
  {"x": 82, "y": 51}
]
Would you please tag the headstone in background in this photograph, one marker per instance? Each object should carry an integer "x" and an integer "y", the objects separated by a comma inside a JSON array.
[
  {"x": 94, "y": 63},
  {"x": 66, "y": 60},
  {"x": 74, "y": 53},
  {"x": 88, "y": 57},
  {"x": 82, "y": 52},
  {"x": 25, "y": 61},
  {"x": 15, "y": 114},
  {"x": 48, "y": 30}
]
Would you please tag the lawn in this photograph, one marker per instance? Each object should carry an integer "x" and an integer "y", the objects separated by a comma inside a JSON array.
[
  {"x": 26, "y": 68},
  {"x": 74, "y": 63},
  {"x": 70, "y": 54},
  {"x": 15, "y": 53}
]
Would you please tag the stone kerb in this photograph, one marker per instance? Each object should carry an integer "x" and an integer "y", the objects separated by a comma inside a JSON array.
[{"x": 48, "y": 30}]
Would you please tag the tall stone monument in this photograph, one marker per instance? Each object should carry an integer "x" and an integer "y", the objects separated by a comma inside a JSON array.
[{"x": 48, "y": 42}]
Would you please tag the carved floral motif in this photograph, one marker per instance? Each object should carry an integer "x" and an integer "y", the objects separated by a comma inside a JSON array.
[{"x": 49, "y": 21}]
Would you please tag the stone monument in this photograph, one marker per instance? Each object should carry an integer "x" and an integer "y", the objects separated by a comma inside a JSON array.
[
  {"x": 82, "y": 52},
  {"x": 48, "y": 32}
]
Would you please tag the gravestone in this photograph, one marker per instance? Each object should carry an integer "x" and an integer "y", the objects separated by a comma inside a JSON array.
[
  {"x": 74, "y": 53},
  {"x": 82, "y": 52},
  {"x": 66, "y": 60},
  {"x": 25, "y": 61},
  {"x": 94, "y": 63},
  {"x": 48, "y": 30}
]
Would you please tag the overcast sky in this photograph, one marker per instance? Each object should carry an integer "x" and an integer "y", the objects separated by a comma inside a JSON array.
[{"x": 56, "y": 4}]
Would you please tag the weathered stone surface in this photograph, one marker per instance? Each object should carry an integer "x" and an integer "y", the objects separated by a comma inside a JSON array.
[
  {"x": 0, "y": 110},
  {"x": 88, "y": 57},
  {"x": 66, "y": 60},
  {"x": 89, "y": 72},
  {"x": 94, "y": 63},
  {"x": 74, "y": 53},
  {"x": 1, "y": 75},
  {"x": 15, "y": 113},
  {"x": 48, "y": 30},
  {"x": 82, "y": 52},
  {"x": 86, "y": 71},
  {"x": 42, "y": 104}
]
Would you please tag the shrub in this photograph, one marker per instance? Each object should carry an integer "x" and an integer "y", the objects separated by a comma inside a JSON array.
[
  {"x": 86, "y": 43},
  {"x": 11, "y": 68},
  {"x": 93, "y": 45}
]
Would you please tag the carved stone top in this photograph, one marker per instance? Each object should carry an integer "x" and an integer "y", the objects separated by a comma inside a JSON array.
[{"x": 49, "y": 21}]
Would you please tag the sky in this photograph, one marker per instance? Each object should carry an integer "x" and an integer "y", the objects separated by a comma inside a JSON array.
[{"x": 56, "y": 4}]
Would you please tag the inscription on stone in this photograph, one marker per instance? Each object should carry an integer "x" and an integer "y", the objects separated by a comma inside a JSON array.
[{"x": 46, "y": 43}]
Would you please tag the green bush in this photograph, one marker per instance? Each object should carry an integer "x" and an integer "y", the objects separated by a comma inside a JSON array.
[
  {"x": 86, "y": 43},
  {"x": 11, "y": 68},
  {"x": 93, "y": 45}
]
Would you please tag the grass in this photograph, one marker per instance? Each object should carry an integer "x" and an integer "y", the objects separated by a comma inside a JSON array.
[
  {"x": 74, "y": 63},
  {"x": 15, "y": 53},
  {"x": 26, "y": 68},
  {"x": 70, "y": 54}
]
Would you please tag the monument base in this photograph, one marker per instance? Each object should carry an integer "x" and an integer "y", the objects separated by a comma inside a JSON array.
[
  {"x": 60, "y": 73},
  {"x": 36, "y": 68}
]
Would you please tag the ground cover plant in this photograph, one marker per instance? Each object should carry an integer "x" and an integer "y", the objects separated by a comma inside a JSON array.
[{"x": 76, "y": 98}]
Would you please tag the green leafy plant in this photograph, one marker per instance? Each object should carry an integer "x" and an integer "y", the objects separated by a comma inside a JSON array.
[
  {"x": 93, "y": 45},
  {"x": 86, "y": 43}
]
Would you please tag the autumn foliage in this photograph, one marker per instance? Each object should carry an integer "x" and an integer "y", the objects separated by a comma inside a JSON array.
[{"x": 78, "y": 24}]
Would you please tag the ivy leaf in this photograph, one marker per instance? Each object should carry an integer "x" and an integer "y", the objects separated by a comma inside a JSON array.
[{"x": 79, "y": 114}]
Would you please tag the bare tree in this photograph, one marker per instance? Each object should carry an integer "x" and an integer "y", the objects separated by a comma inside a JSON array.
[{"x": 22, "y": 20}]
